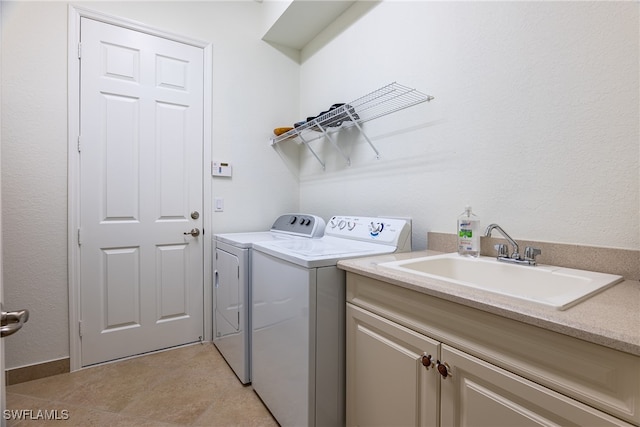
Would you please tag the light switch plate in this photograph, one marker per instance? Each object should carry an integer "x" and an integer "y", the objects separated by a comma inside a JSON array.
[{"x": 218, "y": 204}]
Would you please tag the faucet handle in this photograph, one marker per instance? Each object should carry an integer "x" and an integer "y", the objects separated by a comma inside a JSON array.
[
  {"x": 502, "y": 249},
  {"x": 530, "y": 253}
]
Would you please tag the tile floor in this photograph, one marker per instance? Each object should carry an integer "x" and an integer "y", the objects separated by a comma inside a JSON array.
[{"x": 187, "y": 386}]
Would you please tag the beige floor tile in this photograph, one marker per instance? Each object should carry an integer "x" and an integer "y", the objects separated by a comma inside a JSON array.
[
  {"x": 226, "y": 406},
  {"x": 188, "y": 386}
]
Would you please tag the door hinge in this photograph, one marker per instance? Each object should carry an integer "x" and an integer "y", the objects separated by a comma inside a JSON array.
[
  {"x": 79, "y": 147},
  {"x": 79, "y": 50},
  {"x": 80, "y": 327},
  {"x": 79, "y": 238}
]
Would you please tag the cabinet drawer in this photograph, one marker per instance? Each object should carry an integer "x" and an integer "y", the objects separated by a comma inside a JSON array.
[{"x": 600, "y": 377}]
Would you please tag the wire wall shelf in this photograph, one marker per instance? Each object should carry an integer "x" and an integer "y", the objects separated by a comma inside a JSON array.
[{"x": 381, "y": 102}]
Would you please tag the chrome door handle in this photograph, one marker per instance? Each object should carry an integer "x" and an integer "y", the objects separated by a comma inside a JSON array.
[
  {"x": 195, "y": 232},
  {"x": 12, "y": 321}
]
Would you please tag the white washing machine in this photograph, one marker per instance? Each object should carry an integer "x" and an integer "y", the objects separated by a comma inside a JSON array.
[
  {"x": 298, "y": 323},
  {"x": 232, "y": 284}
]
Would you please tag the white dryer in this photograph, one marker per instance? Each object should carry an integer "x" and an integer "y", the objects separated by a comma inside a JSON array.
[
  {"x": 232, "y": 284},
  {"x": 298, "y": 323}
]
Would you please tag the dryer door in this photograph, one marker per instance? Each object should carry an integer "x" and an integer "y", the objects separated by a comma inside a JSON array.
[{"x": 228, "y": 290}]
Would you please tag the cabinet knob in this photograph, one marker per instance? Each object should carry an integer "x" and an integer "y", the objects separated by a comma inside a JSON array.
[
  {"x": 443, "y": 369},
  {"x": 426, "y": 360}
]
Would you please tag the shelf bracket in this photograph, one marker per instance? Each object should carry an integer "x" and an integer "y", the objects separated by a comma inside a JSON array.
[
  {"x": 362, "y": 132},
  {"x": 304, "y": 141},
  {"x": 334, "y": 143}
]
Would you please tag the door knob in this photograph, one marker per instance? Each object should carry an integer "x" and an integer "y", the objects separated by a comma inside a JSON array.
[
  {"x": 12, "y": 321},
  {"x": 195, "y": 232}
]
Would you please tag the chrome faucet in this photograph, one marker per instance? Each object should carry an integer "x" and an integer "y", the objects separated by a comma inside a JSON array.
[{"x": 503, "y": 252}]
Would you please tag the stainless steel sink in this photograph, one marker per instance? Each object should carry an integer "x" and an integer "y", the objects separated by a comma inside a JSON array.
[{"x": 557, "y": 287}]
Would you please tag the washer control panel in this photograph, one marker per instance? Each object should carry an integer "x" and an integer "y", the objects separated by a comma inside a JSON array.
[
  {"x": 392, "y": 231},
  {"x": 304, "y": 225}
]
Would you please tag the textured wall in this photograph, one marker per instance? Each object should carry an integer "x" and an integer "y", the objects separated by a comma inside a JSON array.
[
  {"x": 535, "y": 121},
  {"x": 34, "y": 177},
  {"x": 253, "y": 86}
]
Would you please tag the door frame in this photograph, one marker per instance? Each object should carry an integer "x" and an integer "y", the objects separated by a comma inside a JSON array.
[
  {"x": 3, "y": 393},
  {"x": 75, "y": 13}
]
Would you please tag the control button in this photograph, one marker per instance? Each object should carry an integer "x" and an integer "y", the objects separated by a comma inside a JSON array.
[
  {"x": 293, "y": 219},
  {"x": 375, "y": 229},
  {"x": 342, "y": 224},
  {"x": 351, "y": 225},
  {"x": 301, "y": 221}
]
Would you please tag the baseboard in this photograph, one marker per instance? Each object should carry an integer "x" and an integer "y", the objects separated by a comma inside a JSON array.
[{"x": 39, "y": 370}]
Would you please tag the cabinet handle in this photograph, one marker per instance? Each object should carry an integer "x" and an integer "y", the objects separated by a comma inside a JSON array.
[
  {"x": 426, "y": 360},
  {"x": 444, "y": 369}
]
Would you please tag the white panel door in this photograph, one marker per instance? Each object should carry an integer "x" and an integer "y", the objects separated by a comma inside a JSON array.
[{"x": 141, "y": 144}]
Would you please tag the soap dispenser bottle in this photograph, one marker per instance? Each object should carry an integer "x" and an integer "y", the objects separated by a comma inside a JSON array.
[{"x": 468, "y": 233}]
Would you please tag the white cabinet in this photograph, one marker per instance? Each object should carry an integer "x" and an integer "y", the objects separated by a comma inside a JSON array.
[
  {"x": 481, "y": 394},
  {"x": 387, "y": 384},
  {"x": 492, "y": 380}
]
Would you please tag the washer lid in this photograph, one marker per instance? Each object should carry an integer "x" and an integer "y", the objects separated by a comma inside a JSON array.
[{"x": 322, "y": 252}]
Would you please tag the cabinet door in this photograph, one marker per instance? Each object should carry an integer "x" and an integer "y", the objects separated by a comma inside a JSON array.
[
  {"x": 480, "y": 394},
  {"x": 229, "y": 293},
  {"x": 387, "y": 384}
]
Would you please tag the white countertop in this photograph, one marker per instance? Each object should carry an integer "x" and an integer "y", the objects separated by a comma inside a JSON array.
[{"x": 610, "y": 318}]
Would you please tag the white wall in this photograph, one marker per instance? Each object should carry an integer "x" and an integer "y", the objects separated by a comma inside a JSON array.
[
  {"x": 34, "y": 177},
  {"x": 253, "y": 87},
  {"x": 535, "y": 121}
]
